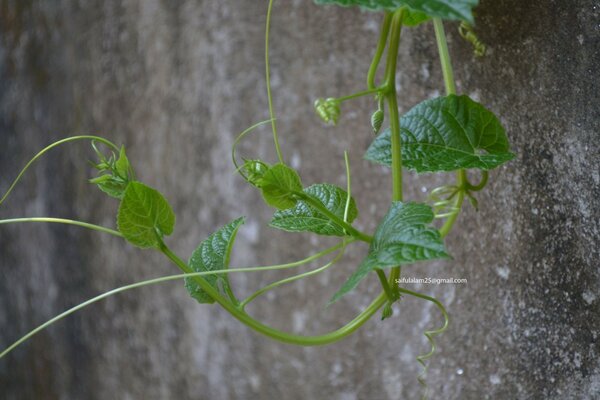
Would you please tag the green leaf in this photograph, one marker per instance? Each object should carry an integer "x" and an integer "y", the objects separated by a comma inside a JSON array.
[
  {"x": 122, "y": 166},
  {"x": 414, "y": 18},
  {"x": 278, "y": 185},
  {"x": 446, "y": 9},
  {"x": 211, "y": 255},
  {"x": 144, "y": 216},
  {"x": 446, "y": 134},
  {"x": 303, "y": 218},
  {"x": 119, "y": 173},
  {"x": 401, "y": 238}
]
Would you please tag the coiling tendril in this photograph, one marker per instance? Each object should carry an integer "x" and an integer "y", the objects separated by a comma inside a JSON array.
[
  {"x": 421, "y": 359},
  {"x": 441, "y": 199},
  {"x": 466, "y": 31}
]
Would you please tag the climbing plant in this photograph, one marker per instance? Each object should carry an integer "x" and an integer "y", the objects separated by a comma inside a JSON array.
[{"x": 451, "y": 133}]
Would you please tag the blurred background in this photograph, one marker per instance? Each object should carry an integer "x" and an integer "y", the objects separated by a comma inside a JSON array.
[{"x": 175, "y": 82}]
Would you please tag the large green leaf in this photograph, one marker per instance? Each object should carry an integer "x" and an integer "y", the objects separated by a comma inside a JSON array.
[
  {"x": 303, "y": 218},
  {"x": 278, "y": 185},
  {"x": 211, "y": 255},
  {"x": 446, "y": 9},
  {"x": 144, "y": 216},
  {"x": 446, "y": 134},
  {"x": 403, "y": 237}
]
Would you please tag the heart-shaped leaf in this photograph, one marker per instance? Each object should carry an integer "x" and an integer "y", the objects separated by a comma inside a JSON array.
[
  {"x": 403, "y": 237},
  {"x": 446, "y": 134},
  {"x": 144, "y": 216},
  {"x": 446, "y": 9}
]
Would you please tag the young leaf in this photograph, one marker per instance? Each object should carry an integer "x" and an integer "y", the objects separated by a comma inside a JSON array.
[
  {"x": 446, "y": 9},
  {"x": 401, "y": 238},
  {"x": 278, "y": 185},
  {"x": 446, "y": 134},
  {"x": 213, "y": 254},
  {"x": 144, "y": 216},
  {"x": 118, "y": 174},
  {"x": 122, "y": 166},
  {"x": 303, "y": 218}
]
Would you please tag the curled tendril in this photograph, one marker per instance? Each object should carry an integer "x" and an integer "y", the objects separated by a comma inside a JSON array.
[
  {"x": 442, "y": 204},
  {"x": 466, "y": 31},
  {"x": 328, "y": 110},
  {"x": 421, "y": 359}
]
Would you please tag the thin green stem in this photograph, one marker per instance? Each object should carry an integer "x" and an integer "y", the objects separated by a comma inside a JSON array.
[
  {"x": 273, "y": 285},
  {"x": 390, "y": 83},
  {"x": 352, "y": 231},
  {"x": 130, "y": 287},
  {"x": 360, "y": 94},
  {"x": 385, "y": 28},
  {"x": 50, "y": 147},
  {"x": 460, "y": 196},
  {"x": 62, "y": 221},
  {"x": 391, "y": 97},
  {"x": 461, "y": 175},
  {"x": 440, "y": 37},
  {"x": 348, "y": 187},
  {"x": 273, "y": 333},
  {"x": 237, "y": 140},
  {"x": 268, "y": 82}
]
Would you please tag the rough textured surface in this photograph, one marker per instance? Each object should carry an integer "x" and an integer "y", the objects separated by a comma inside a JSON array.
[{"x": 176, "y": 81}]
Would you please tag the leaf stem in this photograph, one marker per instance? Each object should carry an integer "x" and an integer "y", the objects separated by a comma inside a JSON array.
[
  {"x": 360, "y": 94},
  {"x": 268, "y": 83},
  {"x": 62, "y": 221}
]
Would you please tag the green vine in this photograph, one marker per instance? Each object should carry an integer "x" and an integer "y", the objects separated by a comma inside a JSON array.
[{"x": 449, "y": 133}]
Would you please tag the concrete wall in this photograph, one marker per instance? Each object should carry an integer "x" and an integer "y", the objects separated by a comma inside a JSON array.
[{"x": 176, "y": 81}]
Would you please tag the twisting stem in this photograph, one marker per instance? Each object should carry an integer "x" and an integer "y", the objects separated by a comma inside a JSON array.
[
  {"x": 272, "y": 332},
  {"x": 390, "y": 82},
  {"x": 268, "y": 82}
]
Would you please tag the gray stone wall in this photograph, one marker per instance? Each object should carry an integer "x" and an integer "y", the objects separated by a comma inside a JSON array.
[{"x": 176, "y": 81}]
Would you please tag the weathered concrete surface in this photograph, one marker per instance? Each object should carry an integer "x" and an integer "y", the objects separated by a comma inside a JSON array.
[{"x": 175, "y": 82}]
